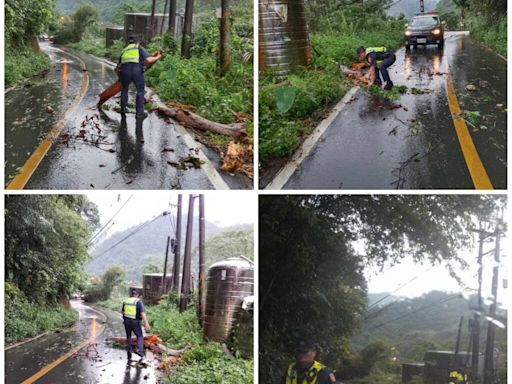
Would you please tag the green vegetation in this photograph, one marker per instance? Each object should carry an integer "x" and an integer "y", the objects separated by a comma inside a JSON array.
[
  {"x": 148, "y": 247},
  {"x": 23, "y": 319},
  {"x": 337, "y": 30},
  {"x": 485, "y": 19},
  {"x": 204, "y": 362},
  {"x": 45, "y": 250},
  {"x": 311, "y": 278},
  {"x": 24, "y": 21},
  {"x": 110, "y": 280}
]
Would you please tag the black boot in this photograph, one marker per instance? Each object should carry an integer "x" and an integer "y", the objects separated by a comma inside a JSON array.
[
  {"x": 388, "y": 86},
  {"x": 129, "y": 356}
]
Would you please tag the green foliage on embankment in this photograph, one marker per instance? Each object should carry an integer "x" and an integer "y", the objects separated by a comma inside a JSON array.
[
  {"x": 22, "y": 64},
  {"x": 291, "y": 107},
  {"x": 203, "y": 362},
  {"x": 24, "y": 319}
]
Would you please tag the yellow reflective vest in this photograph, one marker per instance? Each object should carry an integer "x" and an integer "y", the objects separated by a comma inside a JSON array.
[
  {"x": 311, "y": 376},
  {"x": 130, "y": 54},
  {"x": 457, "y": 378},
  {"x": 130, "y": 308},
  {"x": 377, "y": 50}
]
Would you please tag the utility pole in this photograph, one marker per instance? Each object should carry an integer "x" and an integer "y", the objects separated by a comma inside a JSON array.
[
  {"x": 163, "y": 283},
  {"x": 185, "y": 280},
  {"x": 225, "y": 37},
  {"x": 202, "y": 277},
  {"x": 187, "y": 29},
  {"x": 422, "y": 6},
  {"x": 172, "y": 18},
  {"x": 457, "y": 344},
  {"x": 491, "y": 327},
  {"x": 163, "y": 21},
  {"x": 176, "y": 266},
  {"x": 475, "y": 354},
  {"x": 152, "y": 21}
]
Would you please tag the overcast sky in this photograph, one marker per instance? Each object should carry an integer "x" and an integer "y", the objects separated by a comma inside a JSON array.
[
  {"x": 222, "y": 208},
  {"x": 437, "y": 278}
]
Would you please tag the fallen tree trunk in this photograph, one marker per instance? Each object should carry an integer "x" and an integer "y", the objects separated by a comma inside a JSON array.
[
  {"x": 192, "y": 120},
  {"x": 150, "y": 342},
  {"x": 355, "y": 74}
]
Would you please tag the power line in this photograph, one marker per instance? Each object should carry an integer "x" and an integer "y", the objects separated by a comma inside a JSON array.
[
  {"x": 458, "y": 295},
  {"x": 108, "y": 222},
  {"x": 133, "y": 233}
]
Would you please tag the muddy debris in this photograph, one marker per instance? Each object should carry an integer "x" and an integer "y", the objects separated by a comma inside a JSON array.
[
  {"x": 471, "y": 87},
  {"x": 500, "y": 107},
  {"x": 49, "y": 109},
  {"x": 187, "y": 163}
]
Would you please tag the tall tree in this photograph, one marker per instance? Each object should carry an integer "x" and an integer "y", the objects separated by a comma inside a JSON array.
[
  {"x": 45, "y": 237},
  {"x": 311, "y": 275}
]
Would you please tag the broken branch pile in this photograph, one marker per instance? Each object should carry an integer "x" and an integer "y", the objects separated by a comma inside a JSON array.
[{"x": 152, "y": 342}]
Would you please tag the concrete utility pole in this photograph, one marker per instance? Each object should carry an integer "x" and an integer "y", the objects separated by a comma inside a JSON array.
[
  {"x": 225, "y": 38},
  {"x": 176, "y": 267},
  {"x": 482, "y": 235},
  {"x": 164, "y": 280},
  {"x": 202, "y": 277},
  {"x": 165, "y": 12},
  {"x": 491, "y": 328},
  {"x": 422, "y": 6},
  {"x": 172, "y": 18},
  {"x": 185, "y": 280},
  {"x": 187, "y": 29},
  {"x": 152, "y": 21}
]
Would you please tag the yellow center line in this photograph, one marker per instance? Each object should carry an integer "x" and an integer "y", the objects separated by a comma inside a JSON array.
[
  {"x": 27, "y": 170},
  {"x": 476, "y": 168},
  {"x": 60, "y": 360}
]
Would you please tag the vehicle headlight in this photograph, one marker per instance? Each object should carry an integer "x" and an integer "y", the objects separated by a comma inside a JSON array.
[
  {"x": 407, "y": 33},
  {"x": 436, "y": 31}
]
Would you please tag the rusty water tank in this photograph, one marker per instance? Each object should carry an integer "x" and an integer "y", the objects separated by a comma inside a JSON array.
[
  {"x": 228, "y": 283},
  {"x": 112, "y": 34},
  {"x": 283, "y": 35},
  {"x": 151, "y": 286}
]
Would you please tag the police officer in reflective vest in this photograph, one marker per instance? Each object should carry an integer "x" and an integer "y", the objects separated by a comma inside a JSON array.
[
  {"x": 131, "y": 64},
  {"x": 457, "y": 377},
  {"x": 306, "y": 370},
  {"x": 133, "y": 312},
  {"x": 380, "y": 59}
]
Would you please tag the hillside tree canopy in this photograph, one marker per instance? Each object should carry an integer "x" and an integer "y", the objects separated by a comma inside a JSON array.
[{"x": 311, "y": 272}]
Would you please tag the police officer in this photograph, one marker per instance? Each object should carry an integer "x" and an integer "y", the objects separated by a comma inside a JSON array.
[
  {"x": 133, "y": 312},
  {"x": 131, "y": 64},
  {"x": 306, "y": 370},
  {"x": 380, "y": 59},
  {"x": 457, "y": 377}
]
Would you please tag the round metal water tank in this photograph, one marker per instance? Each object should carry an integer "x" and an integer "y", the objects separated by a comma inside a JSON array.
[
  {"x": 228, "y": 283},
  {"x": 283, "y": 35}
]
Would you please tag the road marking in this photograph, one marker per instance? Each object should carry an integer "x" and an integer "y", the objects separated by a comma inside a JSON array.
[
  {"x": 476, "y": 168},
  {"x": 66, "y": 356},
  {"x": 279, "y": 181},
  {"x": 27, "y": 170}
]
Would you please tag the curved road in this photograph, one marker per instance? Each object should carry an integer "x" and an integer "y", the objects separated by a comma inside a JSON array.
[
  {"x": 102, "y": 153},
  {"x": 51, "y": 358},
  {"x": 371, "y": 146}
]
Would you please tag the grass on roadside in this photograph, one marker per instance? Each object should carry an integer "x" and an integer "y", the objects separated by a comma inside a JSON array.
[
  {"x": 291, "y": 107},
  {"x": 24, "y": 319},
  {"x": 22, "y": 64},
  {"x": 204, "y": 362},
  {"x": 491, "y": 33}
]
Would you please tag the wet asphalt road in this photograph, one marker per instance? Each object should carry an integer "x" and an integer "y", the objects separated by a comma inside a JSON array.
[
  {"x": 369, "y": 146},
  {"x": 108, "y": 365},
  {"x": 128, "y": 155}
]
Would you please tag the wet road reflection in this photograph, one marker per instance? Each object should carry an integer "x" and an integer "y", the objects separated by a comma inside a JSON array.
[{"x": 374, "y": 145}]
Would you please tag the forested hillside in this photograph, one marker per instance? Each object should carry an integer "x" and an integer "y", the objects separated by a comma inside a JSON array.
[
  {"x": 148, "y": 246},
  {"x": 409, "y": 8}
]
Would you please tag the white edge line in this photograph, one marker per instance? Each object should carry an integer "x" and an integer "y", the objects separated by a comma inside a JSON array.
[
  {"x": 208, "y": 168},
  {"x": 298, "y": 157}
]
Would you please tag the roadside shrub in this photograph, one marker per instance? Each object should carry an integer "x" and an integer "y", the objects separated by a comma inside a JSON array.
[
  {"x": 22, "y": 64},
  {"x": 24, "y": 319},
  {"x": 492, "y": 33}
]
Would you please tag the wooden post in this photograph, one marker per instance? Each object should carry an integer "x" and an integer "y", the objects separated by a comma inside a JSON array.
[
  {"x": 187, "y": 29},
  {"x": 172, "y": 18},
  {"x": 163, "y": 283},
  {"x": 225, "y": 38},
  {"x": 185, "y": 281},
  {"x": 202, "y": 277},
  {"x": 152, "y": 28},
  {"x": 176, "y": 266}
]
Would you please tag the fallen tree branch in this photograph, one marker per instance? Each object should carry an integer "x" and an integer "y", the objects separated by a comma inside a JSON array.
[{"x": 191, "y": 120}]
